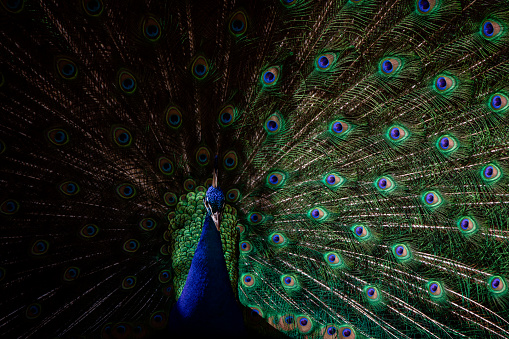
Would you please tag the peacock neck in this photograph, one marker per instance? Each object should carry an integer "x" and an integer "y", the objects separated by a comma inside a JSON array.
[{"x": 207, "y": 303}]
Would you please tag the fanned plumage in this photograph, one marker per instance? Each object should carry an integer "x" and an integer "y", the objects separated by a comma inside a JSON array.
[{"x": 362, "y": 148}]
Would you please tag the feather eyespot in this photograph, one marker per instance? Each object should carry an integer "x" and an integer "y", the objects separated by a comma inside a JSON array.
[
  {"x": 203, "y": 156},
  {"x": 58, "y": 136},
  {"x": 170, "y": 199},
  {"x": 490, "y": 29},
  {"x": 233, "y": 195},
  {"x": 126, "y": 191},
  {"x": 238, "y": 24},
  {"x": 425, "y": 6},
  {"x": 173, "y": 117},
  {"x": 277, "y": 239},
  {"x": 93, "y": 7},
  {"x": 396, "y": 134},
  {"x": 69, "y": 188},
  {"x": 289, "y": 3},
  {"x": 497, "y": 284},
  {"x": 147, "y": 224},
  {"x": 434, "y": 289},
  {"x": 245, "y": 247},
  {"x": 248, "y": 280},
  {"x": 498, "y": 102},
  {"x": 270, "y": 76},
  {"x": 127, "y": 82},
  {"x": 189, "y": 185},
  {"x": 447, "y": 144},
  {"x": 158, "y": 320},
  {"x": 165, "y": 165},
  {"x": 122, "y": 137},
  {"x": 9, "y": 207},
  {"x": 275, "y": 179},
  {"x": 346, "y": 332},
  {"x": 333, "y": 180},
  {"x": 467, "y": 225},
  {"x": 33, "y": 311},
  {"x": 389, "y": 66},
  {"x": 131, "y": 245},
  {"x": 491, "y": 173},
  {"x": 361, "y": 232},
  {"x": 227, "y": 116},
  {"x": 288, "y": 281},
  {"x": 325, "y": 61},
  {"x": 317, "y": 214},
  {"x": 13, "y": 6},
  {"x": 67, "y": 69},
  {"x": 164, "y": 276},
  {"x": 129, "y": 282},
  {"x": 432, "y": 199},
  {"x": 72, "y": 273},
  {"x": 401, "y": 252},
  {"x": 304, "y": 324},
  {"x": 89, "y": 231},
  {"x": 255, "y": 218},
  {"x": 241, "y": 228},
  {"x": 168, "y": 291},
  {"x": 200, "y": 68},
  {"x": 287, "y": 323},
  {"x": 385, "y": 184},
  {"x": 40, "y": 247},
  {"x": 340, "y": 128},
  {"x": 444, "y": 83},
  {"x": 333, "y": 259},
  {"x": 151, "y": 29},
  {"x": 273, "y": 124},
  {"x": 372, "y": 293},
  {"x": 230, "y": 160},
  {"x": 256, "y": 311}
]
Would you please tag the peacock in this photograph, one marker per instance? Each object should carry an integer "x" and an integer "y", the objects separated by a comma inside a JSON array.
[{"x": 254, "y": 169}]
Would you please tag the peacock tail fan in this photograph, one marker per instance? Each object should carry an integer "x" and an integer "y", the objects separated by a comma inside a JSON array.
[{"x": 362, "y": 148}]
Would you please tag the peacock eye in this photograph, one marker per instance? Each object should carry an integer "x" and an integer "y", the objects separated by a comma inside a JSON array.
[
  {"x": 270, "y": 76},
  {"x": 372, "y": 293},
  {"x": 131, "y": 245},
  {"x": 434, "y": 289},
  {"x": 58, "y": 136},
  {"x": 277, "y": 239},
  {"x": 93, "y": 7},
  {"x": 164, "y": 276},
  {"x": 333, "y": 259},
  {"x": 491, "y": 173},
  {"x": 89, "y": 231},
  {"x": 444, "y": 83},
  {"x": 288, "y": 281},
  {"x": 490, "y": 29},
  {"x": 304, "y": 324},
  {"x": 245, "y": 247},
  {"x": 233, "y": 195},
  {"x": 275, "y": 179},
  {"x": 325, "y": 61},
  {"x": 168, "y": 290},
  {"x": 67, "y": 68},
  {"x": 69, "y": 188},
  {"x": 397, "y": 134},
  {"x": 497, "y": 284},
  {"x": 121, "y": 137},
  {"x": 238, "y": 23},
  {"x": 425, "y": 6},
  {"x": 346, "y": 332},
  {"x": 333, "y": 180},
  {"x": 165, "y": 165},
  {"x": 401, "y": 252},
  {"x": 151, "y": 29},
  {"x": 273, "y": 124},
  {"x": 33, "y": 311},
  {"x": 230, "y": 160},
  {"x": 498, "y": 102},
  {"x": 170, "y": 198},
  {"x": 467, "y": 225},
  {"x": 147, "y": 224},
  {"x": 9, "y": 207},
  {"x": 385, "y": 184},
  {"x": 127, "y": 82},
  {"x": 203, "y": 156},
  {"x": 318, "y": 214},
  {"x": 227, "y": 116},
  {"x": 173, "y": 117},
  {"x": 389, "y": 65},
  {"x": 40, "y": 247},
  {"x": 289, "y": 3},
  {"x": 446, "y": 144},
  {"x": 158, "y": 320},
  {"x": 340, "y": 128},
  {"x": 71, "y": 273},
  {"x": 126, "y": 191},
  {"x": 200, "y": 68},
  {"x": 241, "y": 228},
  {"x": 13, "y": 6},
  {"x": 432, "y": 199},
  {"x": 189, "y": 185},
  {"x": 361, "y": 232},
  {"x": 248, "y": 280}
]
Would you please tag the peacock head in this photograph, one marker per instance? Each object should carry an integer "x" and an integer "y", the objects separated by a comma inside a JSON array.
[{"x": 214, "y": 199}]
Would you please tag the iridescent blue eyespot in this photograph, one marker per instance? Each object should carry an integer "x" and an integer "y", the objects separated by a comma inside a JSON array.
[
  {"x": 497, "y": 285},
  {"x": 200, "y": 67},
  {"x": 491, "y": 173},
  {"x": 397, "y": 134},
  {"x": 331, "y": 330},
  {"x": 401, "y": 252},
  {"x": 270, "y": 76},
  {"x": 432, "y": 199},
  {"x": 151, "y": 29},
  {"x": 323, "y": 62}
]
